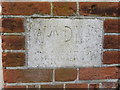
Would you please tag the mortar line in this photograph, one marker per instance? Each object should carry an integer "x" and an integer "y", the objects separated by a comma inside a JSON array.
[
  {"x": 48, "y": 16},
  {"x": 64, "y": 86},
  {"x": 51, "y": 8},
  {"x": 100, "y": 85},
  {"x": 27, "y": 87},
  {"x": 69, "y": 82},
  {"x": 111, "y": 50},
  {"x": 77, "y": 3},
  {"x": 88, "y": 86},
  {"x": 13, "y": 51},
  {"x": 111, "y": 33},
  {"x": 39, "y": 86},
  {"x": 24, "y": 67},
  {"x": 77, "y": 74},
  {"x": 7, "y": 34},
  {"x": 53, "y": 75}
]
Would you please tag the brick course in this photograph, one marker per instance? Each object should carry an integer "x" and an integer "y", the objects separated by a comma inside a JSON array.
[
  {"x": 111, "y": 57},
  {"x": 111, "y": 42},
  {"x": 83, "y": 85},
  {"x": 13, "y": 42},
  {"x": 93, "y": 86},
  {"x": 112, "y": 26},
  {"x": 51, "y": 86},
  {"x": 26, "y": 8},
  {"x": 14, "y": 87},
  {"x": 12, "y": 25},
  {"x": 99, "y": 9},
  {"x": 98, "y": 73},
  {"x": 65, "y": 74},
  {"x": 110, "y": 85},
  {"x": 27, "y": 75},
  {"x": 13, "y": 59},
  {"x": 64, "y": 8},
  {"x": 35, "y": 87}
]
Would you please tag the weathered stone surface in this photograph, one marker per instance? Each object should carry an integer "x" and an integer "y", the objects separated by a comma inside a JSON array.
[{"x": 64, "y": 42}]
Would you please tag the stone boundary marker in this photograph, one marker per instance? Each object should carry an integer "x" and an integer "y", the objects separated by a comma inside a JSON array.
[{"x": 16, "y": 70}]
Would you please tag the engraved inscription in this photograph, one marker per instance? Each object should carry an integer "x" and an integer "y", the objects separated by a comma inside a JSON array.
[{"x": 64, "y": 42}]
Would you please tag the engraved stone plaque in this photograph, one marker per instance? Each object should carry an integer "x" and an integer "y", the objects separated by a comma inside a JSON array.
[{"x": 64, "y": 42}]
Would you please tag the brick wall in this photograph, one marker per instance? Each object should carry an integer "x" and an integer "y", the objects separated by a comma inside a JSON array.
[{"x": 15, "y": 70}]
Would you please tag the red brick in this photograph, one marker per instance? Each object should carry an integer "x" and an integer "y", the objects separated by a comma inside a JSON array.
[
  {"x": 25, "y": 8},
  {"x": 98, "y": 73},
  {"x": 13, "y": 42},
  {"x": 51, "y": 86},
  {"x": 27, "y": 75},
  {"x": 111, "y": 57},
  {"x": 33, "y": 87},
  {"x": 112, "y": 42},
  {"x": 112, "y": 26},
  {"x": 65, "y": 74},
  {"x": 110, "y": 85},
  {"x": 83, "y": 85},
  {"x": 93, "y": 86},
  {"x": 13, "y": 59},
  {"x": 99, "y": 8},
  {"x": 15, "y": 88},
  {"x": 64, "y": 8},
  {"x": 12, "y": 25}
]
